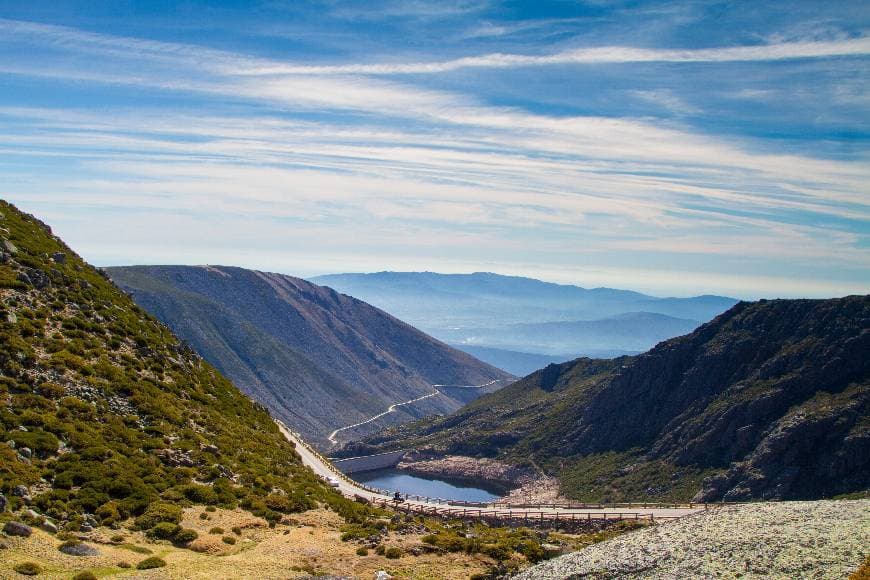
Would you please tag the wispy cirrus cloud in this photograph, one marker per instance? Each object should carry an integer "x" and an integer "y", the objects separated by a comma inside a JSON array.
[{"x": 389, "y": 161}]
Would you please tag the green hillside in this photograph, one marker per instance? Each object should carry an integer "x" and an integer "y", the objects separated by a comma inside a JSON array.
[{"x": 105, "y": 412}]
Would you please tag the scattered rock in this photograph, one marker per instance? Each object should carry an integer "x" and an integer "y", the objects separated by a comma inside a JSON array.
[
  {"x": 17, "y": 529},
  {"x": 8, "y": 246},
  {"x": 59, "y": 257},
  {"x": 31, "y": 513},
  {"x": 86, "y": 528},
  {"x": 210, "y": 448},
  {"x": 11, "y": 318},
  {"x": 49, "y": 527},
  {"x": 25, "y": 452},
  {"x": 4, "y": 503},
  {"x": 175, "y": 458},
  {"x": 74, "y": 548},
  {"x": 34, "y": 277},
  {"x": 20, "y": 491}
]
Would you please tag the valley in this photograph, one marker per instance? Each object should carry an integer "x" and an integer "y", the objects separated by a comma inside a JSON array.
[{"x": 421, "y": 290}]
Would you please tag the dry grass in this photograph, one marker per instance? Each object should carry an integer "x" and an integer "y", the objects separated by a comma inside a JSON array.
[{"x": 309, "y": 543}]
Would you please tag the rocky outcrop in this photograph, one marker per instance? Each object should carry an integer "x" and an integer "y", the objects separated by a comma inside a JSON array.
[{"x": 769, "y": 400}]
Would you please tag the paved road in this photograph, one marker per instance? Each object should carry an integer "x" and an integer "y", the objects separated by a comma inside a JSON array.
[
  {"x": 349, "y": 488},
  {"x": 393, "y": 407}
]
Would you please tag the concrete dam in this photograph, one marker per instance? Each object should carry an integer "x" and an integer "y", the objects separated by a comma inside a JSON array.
[{"x": 369, "y": 462}]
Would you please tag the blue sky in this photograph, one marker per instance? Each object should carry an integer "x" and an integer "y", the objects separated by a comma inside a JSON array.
[{"x": 672, "y": 147}]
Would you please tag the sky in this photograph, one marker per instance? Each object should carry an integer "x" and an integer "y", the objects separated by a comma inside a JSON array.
[{"x": 673, "y": 147}]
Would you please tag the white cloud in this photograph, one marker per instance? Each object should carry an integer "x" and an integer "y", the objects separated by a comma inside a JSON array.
[{"x": 420, "y": 168}]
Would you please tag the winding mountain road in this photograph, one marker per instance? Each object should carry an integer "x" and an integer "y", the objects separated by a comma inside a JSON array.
[
  {"x": 392, "y": 408},
  {"x": 350, "y": 488}
]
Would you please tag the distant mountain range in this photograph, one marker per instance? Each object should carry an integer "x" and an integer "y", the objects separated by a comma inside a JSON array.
[
  {"x": 509, "y": 313},
  {"x": 318, "y": 359},
  {"x": 770, "y": 400}
]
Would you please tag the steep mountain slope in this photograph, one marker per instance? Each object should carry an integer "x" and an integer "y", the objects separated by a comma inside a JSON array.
[
  {"x": 318, "y": 359},
  {"x": 490, "y": 310},
  {"x": 104, "y": 412},
  {"x": 769, "y": 400}
]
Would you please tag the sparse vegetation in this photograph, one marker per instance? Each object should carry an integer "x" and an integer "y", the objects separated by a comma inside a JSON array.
[{"x": 122, "y": 419}]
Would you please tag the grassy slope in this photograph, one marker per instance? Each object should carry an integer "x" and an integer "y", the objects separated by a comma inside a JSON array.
[{"x": 118, "y": 414}]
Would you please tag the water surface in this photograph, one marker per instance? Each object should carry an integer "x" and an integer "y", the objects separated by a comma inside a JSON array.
[{"x": 395, "y": 480}]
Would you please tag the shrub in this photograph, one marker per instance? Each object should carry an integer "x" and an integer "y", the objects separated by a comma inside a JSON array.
[
  {"x": 362, "y": 551},
  {"x": 28, "y": 568},
  {"x": 217, "y": 530},
  {"x": 163, "y": 531},
  {"x": 152, "y": 562},
  {"x": 210, "y": 508},
  {"x": 158, "y": 512},
  {"x": 124, "y": 565},
  {"x": 116, "y": 539},
  {"x": 393, "y": 552},
  {"x": 228, "y": 540},
  {"x": 203, "y": 516},
  {"x": 185, "y": 536},
  {"x": 380, "y": 550},
  {"x": 85, "y": 576},
  {"x": 200, "y": 493},
  {"x": 237, "y": 530}
]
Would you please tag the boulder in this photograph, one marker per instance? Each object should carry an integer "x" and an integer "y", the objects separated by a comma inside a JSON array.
[
  {"x": 59, "y": 257},
  {"x": 74, "y": 548},
  {"x": 4, "y": 503},
  {"x": 49, "y": 527},
  {"x": 17, "y": 529},
  {"x": 20, "y": 491},
  {"x": 25, "y": 452}
]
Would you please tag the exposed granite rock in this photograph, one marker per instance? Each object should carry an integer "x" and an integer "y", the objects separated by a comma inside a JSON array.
[{"x": 17, "y": 529}]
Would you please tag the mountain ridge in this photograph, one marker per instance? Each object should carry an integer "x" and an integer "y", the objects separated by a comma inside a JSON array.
[
  {"x": 485, "y": 309},
  {"x": 320, "y": 359},
  {"x": 768, "y": 400}
]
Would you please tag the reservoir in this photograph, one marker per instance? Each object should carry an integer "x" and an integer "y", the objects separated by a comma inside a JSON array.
[{"x": 395, "y": 480}]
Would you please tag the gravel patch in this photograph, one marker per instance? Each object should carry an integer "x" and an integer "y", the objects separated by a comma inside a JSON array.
[{"x": 819, "y": 539}]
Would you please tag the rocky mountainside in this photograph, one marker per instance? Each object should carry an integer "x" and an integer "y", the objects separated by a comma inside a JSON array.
[
  {"x": 769, "y": 400},
  {"x": 106, "y": 415},
  {"x": 318, "y": 359}
]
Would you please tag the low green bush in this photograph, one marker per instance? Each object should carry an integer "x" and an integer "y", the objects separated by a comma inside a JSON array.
[
  {"x": 362, "y": 551},
  {"x": 87, "y": 575},
  {"x": 152, "y": 562},
  {"x": 28, "y": 568},
  {"x": 158, "y": 512},
  {"x": 163, "y": 531},
  {"x": 393, "y": 552},
  {"x": 228, "y": 540},
  {"x": 185, "y": 536}
]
